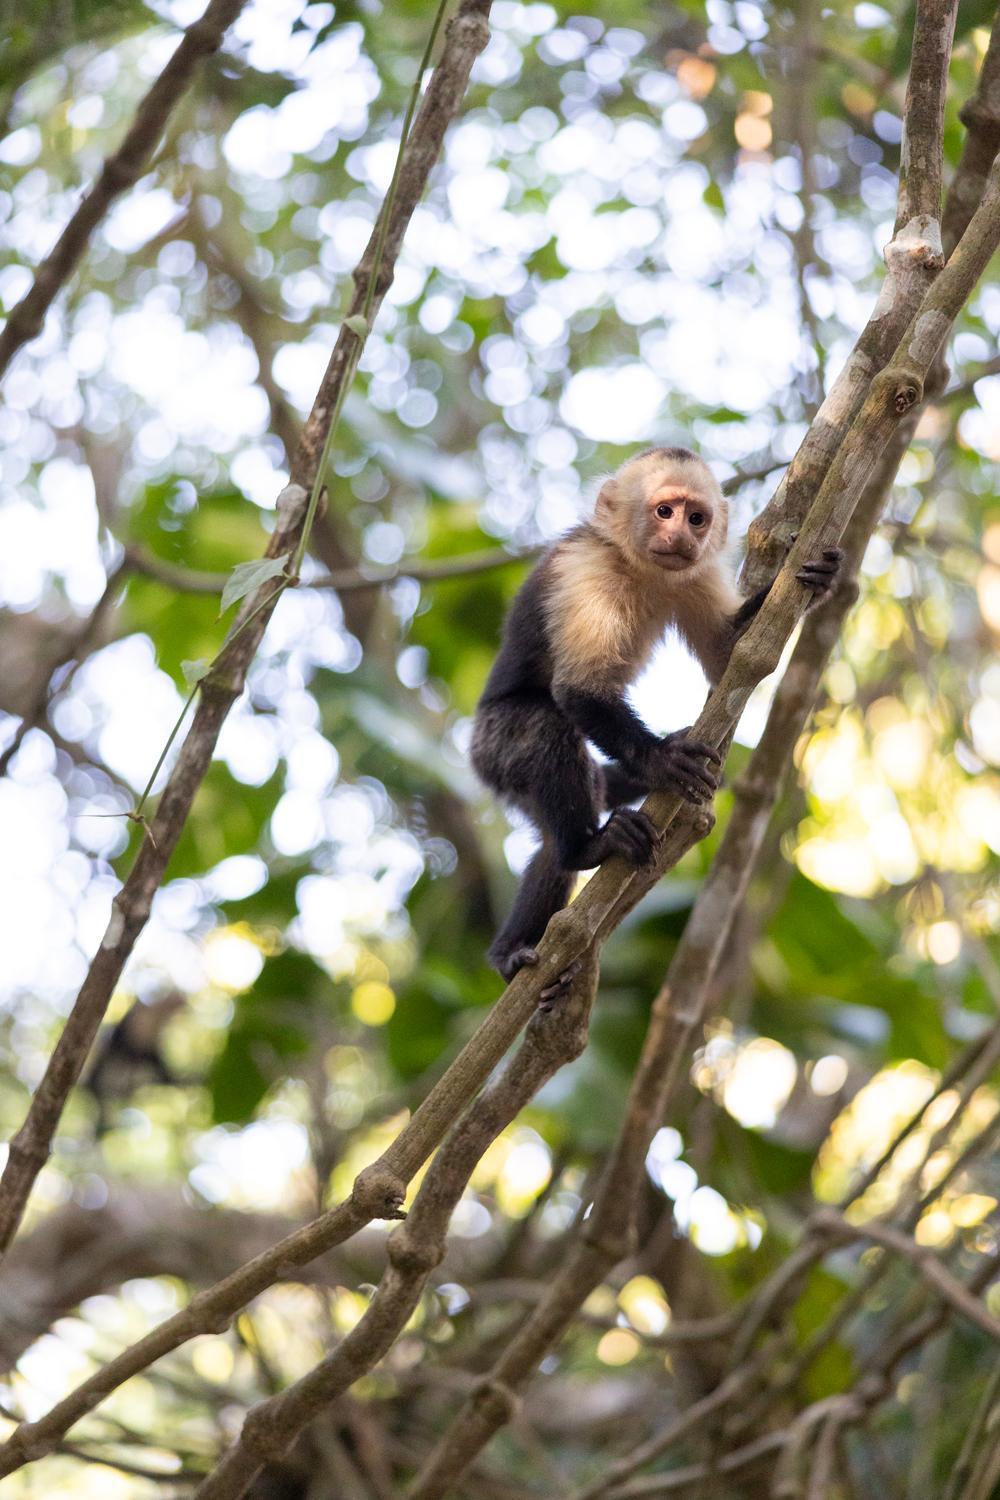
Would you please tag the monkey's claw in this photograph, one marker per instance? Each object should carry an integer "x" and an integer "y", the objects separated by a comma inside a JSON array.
[{"x": 820, "y": 576}]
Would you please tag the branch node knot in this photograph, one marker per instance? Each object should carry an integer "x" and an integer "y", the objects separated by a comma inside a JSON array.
[
  {"x": 29, "y": 1447},
  {"x": 291, "y": 504},
  {"x": 472, "y": 31},
  {"x": 378, "y": 1193}
]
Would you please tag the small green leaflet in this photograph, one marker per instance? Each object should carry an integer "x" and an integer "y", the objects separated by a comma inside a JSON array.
[
  {"x": 194, "y": 671},
  {"x": 357, "y": 325},
  {"x": 248, "y": 576}
]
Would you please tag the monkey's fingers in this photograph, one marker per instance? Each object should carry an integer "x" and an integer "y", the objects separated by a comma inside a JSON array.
[
  {"x": 645, "y": 822},
  {"x": 635, "y": 832},
  {"x": 620, "y": 840},
  {"x": 699, "y": 747},
  {"x": 821, "y": 573},
  {"x": 687, "y": 786},
  {"x": 691, "y": 766}
]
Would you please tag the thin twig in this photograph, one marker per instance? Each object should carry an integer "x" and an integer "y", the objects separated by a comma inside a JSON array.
[
  {"x": 924, "y": 1261},
  {"x": 119, "y": 172}
]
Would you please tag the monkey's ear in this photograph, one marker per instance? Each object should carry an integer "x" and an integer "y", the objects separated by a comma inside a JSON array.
[{"x": 607, "y": 500}]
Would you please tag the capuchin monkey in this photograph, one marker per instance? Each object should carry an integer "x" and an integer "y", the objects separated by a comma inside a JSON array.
[{"x": 579, "y": 632}]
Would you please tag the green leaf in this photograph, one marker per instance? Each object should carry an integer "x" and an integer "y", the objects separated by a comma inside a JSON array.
[
  {"x": 248, "y": 576},
  {"x": 194, "y": 671},
  {"x": 357, "y": 324}
]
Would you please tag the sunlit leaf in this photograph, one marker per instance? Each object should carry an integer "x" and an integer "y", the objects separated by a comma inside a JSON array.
[{"x": 246, "y": 577}]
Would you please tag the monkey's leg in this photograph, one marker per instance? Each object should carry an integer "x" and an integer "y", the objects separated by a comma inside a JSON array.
[
  {"x": 544, "y": 890},
  {"x": 618, "y": 786},
  {"x": 566, "y": 806}
]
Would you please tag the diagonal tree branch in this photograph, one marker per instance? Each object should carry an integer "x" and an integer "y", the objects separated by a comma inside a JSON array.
[
  {"x": 377, "y": 1194},
  {"x": 414, "y": 1248},
  {"x": 981, "y": 117},
  {"x": 912, "y": 258},
  {"x": 120, "y": 171},
  {"x": 678, "y": 1010},
  {"x": 466, "y": 37},
  {"x": 927, "y": 1265}
]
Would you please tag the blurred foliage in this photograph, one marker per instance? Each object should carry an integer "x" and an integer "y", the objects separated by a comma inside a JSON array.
[{"x": 617, "y": 247}]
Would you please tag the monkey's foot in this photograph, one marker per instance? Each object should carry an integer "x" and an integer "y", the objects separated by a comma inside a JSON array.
[
  {"x": 679, "y": 766},
  {"x": 526, "y": 958},
  {"x": 509, "y": 964},
  {"x": 821, "y": 576},
  {"x": 559, "y": 986},
  {"x": 629, "y": 834}
]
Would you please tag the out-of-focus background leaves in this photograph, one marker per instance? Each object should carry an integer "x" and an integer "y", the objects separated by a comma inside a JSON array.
[{"x": 653, "y": 222}]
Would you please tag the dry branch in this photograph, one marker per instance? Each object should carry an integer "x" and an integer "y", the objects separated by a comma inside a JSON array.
[{"x": 120, "y": 171}]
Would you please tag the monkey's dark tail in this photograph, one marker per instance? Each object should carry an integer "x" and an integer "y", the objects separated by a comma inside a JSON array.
[{"x": 544, "y": 890}]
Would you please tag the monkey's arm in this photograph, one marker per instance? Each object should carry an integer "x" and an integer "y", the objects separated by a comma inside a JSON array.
[
  {"x": 606, "y": 719},
  {"x": 670, "y": 763},
  {"x": 819, "y": 577},
  {"x": 712, "y": 632}
]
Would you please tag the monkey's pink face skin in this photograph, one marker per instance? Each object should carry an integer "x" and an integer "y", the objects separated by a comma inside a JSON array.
[{"x": 679, "y": 523}]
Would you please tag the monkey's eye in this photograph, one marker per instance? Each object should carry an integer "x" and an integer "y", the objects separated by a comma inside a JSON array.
[
  {"x": 696, "y": 518},
  {"x": 664, "y": 512}
]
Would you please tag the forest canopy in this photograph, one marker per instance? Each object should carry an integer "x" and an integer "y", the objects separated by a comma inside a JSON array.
[{"x": 321, "y": 323}]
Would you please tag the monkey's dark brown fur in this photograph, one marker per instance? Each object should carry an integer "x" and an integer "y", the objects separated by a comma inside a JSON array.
[{"x": 580, "y": 630}]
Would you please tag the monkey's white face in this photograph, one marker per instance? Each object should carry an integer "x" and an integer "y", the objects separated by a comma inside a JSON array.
[
  {"x": 679, "y": 524},
  {"x": 669, "y": 514}
]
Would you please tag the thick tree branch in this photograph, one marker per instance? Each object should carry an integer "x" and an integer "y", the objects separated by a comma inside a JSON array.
[
  {"x": 414, "y": 1249},
  {"x": 120, "y": 171},
  {"x": 921, "y": 165},
  {"x": 981, "y": 118},
  {"x": 912, "y": 257},
  {"x": 466, "y": 37}
]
